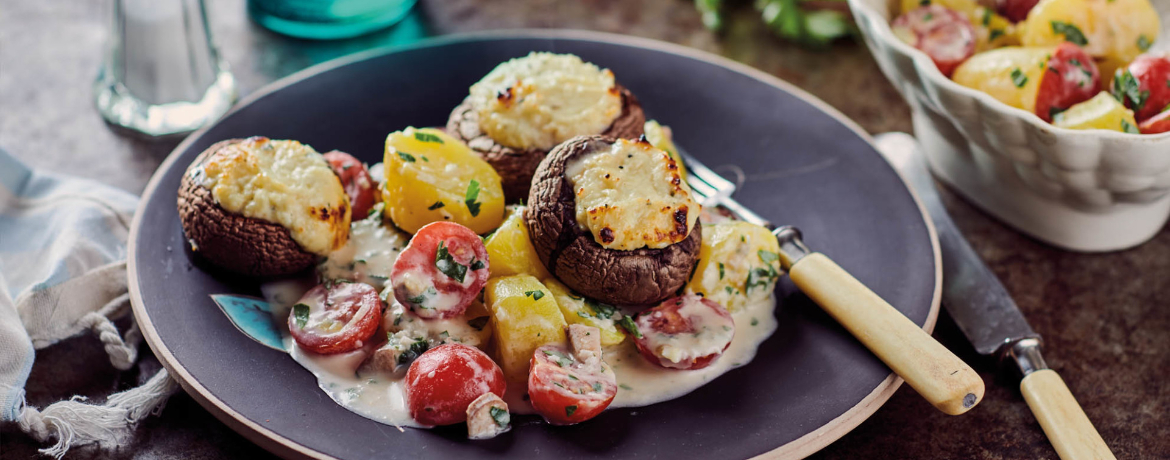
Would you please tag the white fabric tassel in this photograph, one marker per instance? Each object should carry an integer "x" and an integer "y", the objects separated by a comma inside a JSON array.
[{"x": 109, "y": 425}]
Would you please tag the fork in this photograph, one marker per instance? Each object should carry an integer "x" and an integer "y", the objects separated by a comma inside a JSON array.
[{"x": 927, "y": 366}]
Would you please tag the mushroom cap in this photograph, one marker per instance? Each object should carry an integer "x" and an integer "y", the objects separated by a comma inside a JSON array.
[
  {"x": 516, "y": 167},
  {"x": 637, "y": 277},
  {"x": 239, "y": 244}
]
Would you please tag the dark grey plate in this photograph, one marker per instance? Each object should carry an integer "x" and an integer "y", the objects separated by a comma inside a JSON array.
[{"x": 804, "y": 163}]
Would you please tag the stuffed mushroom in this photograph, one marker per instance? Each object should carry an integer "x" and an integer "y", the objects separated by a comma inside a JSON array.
[
  {"x": 613, "y": 220},
  {"x": 263, "y": 207},
  {"x": 528, "y": 105}
]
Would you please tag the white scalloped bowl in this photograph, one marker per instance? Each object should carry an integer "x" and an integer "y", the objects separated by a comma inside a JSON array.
[{"x": 1081, "y": 190}]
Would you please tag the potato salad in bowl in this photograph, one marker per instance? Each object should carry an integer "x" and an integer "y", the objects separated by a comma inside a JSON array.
[{"x": 525, "y": 259}]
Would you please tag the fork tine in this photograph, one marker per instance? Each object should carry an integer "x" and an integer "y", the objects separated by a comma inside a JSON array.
[
  {"x": 715, "y": 190},
  {"x": 705, "y": 174}
]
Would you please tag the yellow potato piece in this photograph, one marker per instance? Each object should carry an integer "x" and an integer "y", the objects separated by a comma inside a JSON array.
[
  {"x": 1100, "y": 112},
  {"x": 662, "y": 139},
  {"x": 432, "y": 177},
  {"x": 577, "y": 310},
  {"x": 510, "y": 250},
  {"x": 991, "y": 29},
  {"x": 524, "y": 316},
  {"x": 1112, "y": 29},
  {"x": 1011, "y": 75},
  {"x": 738, "y": 264}
]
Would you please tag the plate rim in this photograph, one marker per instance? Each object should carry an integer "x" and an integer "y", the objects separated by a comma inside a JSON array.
[{"x": 287, "y": 448}]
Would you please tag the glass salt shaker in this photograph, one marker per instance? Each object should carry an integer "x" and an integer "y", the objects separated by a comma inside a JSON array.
[{"x": 161, "y": 74}]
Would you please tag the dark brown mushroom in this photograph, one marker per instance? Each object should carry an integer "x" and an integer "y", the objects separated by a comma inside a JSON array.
[
  {"x": 637, "y": 277},
  {"x": 516, "y": 167},
  {"x": 243, "y": 245}
]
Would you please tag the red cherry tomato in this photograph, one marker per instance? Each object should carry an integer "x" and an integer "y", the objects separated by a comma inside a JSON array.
[
  {"x": 442, "y": 382},
  {"x": 943, "y": 34},
  {"x": 355, "y": 178},
  {"x": 1070, "y": 78},
  {"x": 441, "y": 271},
  {"x": 1015, "y": 10},
  {"x": 1144, "y": 85},
  {"x": 1159, "y": 123},
  {"x": 687, "y": 332},
  {"x": 335, "y": 318},
  {"x": 564, "y": 390}
]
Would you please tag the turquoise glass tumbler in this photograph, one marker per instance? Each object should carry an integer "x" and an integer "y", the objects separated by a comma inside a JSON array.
[{"x": 327, "y": 19}]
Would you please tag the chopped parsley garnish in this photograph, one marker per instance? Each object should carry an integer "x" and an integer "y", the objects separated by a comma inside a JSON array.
[
  {"x": 1127, "y": 90},
  {"x": 573, "y": 377},
  {"x": 301, "y": 313},
  {"x": 730, "y": 290},
  {"x": 417, "y": 348},
  {"x": 625, "y": 387},
  {"x": 928, "y": 17},
  {"x": 602, "y": 310},
  {"x": 986, "y": 17},
  {"x": 767, "y": 256},
  {"x": 477, "y": 264},
  {"x": 569, "y": 410},
  {"x": 582, "y": 314},
  {"x": 755, "y": 322},
  {"x": 560, "y": 358},
  {"x": 1018, "y": 78},
  {"x": 627, "y": 323},
  {"x": 406, "y": 157},
  {"x": 536, "y": 295},
  {"x": 597, "y": 387},
  {"x": 720, "y": 270},
  {"x": 1071, "y": 33},
  {"x": 478, "y": 323},
  {"x": 471, "y": 197},
  {"x": 923, "y": 2},
  {"x": 421, "y": 298},
  {"x": 1143, "y": 43},
  {"x": 1054, "y": 112},
  {"x": 444, "y": 335},
  {"x": 1129, "y": 128},
  {"x": 501, "y": 416},
  {"x": 377, "y": 209},
  {"x": 994, "y": 34},
  {"x": 437, "y": 205},
  {"x": 447, "y": 264},
  {"x": 427, "y": 137}
]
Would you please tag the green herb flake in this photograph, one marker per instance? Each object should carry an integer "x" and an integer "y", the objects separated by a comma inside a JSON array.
[
  {"x": 437, "y": 205},
  {"x": 569, "y": 410},
  {"x": 501, "y": 416},
  {"x": 730, "y": 290},
  {"x": 561, "y": 359},
  {"x": 628, "y": 324},
  {"x": 447, "y": 264},
  {"x": 994, "y": 34},
  {"x": 536, "y": 295},
  {"x": 582, "y": 314},
  {"x": 406, "y": 157},
  {"x": 1054, "y": 112},
  {"x": 471, "y": 197},
  {"x": 755, "y": 322},
  {"x": 1071, "y": 33},
  {"x": 767, "y": 256},
  {"x": 1127, "y": 90},
  {"x": 928, "y": 17},
  {"x": 923, "y": 2},
  {"x": 597, "y": 387},
  {"x": 986, "y": 17},
  {"x": 427, "y": 137},
  {"x": 1018, "y": 78},
  {"x": 301, "y": 315},
  {"x": 478, "y": 323},
  {"x": 1143, "y": 43},
  {"x": 601, "y": 310},
  {"x": 1129, "y": 128},
  {"x": 625, "y": 387},
  {"x": 416, "y": 349},
  {"x": 720, "y": 270},
  {"x": 573, "y": 377},
  {"x": 477, "y": 264}
]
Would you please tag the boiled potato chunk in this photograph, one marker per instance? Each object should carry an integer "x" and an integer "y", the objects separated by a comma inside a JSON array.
[
  {"x": 510, "y": 251},
  {"x": 1111, "y": 29},
  {"x": 432, "y": 177},
  {"x": 524, "y": 316},
  {"x": 1011, "y": 75},
  {"x": 1100, "y": 112},
  {"x": 991, "y": 29},
  {"x": 739, "y": 264},
  {"x": 663, "y": 139},
  {"x": 579, "y": 310}
]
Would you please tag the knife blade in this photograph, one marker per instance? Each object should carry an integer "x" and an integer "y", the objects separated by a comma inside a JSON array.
[{"x": 990, "y": 319}]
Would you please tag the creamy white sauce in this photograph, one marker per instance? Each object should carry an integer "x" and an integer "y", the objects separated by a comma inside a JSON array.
[{"x": 368, "y": 256}]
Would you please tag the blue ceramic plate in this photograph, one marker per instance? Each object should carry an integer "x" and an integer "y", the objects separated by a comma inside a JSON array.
[{"x": 804, "y": 165}]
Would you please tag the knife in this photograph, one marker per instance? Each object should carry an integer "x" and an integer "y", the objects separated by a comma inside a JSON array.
[{"x": 986, "y": 314}]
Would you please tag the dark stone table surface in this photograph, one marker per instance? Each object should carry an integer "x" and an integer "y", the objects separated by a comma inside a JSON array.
[{"x": 1105, "y": 317}]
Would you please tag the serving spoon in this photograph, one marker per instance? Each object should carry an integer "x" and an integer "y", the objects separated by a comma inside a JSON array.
[{"x": 930, "y": 368}]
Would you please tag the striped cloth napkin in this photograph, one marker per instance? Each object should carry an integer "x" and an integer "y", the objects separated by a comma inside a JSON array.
[{"x": 63, "y": 273}]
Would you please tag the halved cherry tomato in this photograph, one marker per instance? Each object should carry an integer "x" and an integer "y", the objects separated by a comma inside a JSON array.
[
  {"x": 1159, "y": 123},
  {"x": 355, "y": 178},
  {"x": 687, "y": 332},
  {"x": 943, "y": 34},
  {"x": 564, "y": 390},
  {"x": 441, "y": 271},
  {"x": 444, "y": 380},
  {"x": 1070, "y": 77},
  {"x": 335, "y": 318},
  {"x": 1015, "y": 10},
  {"x": 1144, "y": 85}
]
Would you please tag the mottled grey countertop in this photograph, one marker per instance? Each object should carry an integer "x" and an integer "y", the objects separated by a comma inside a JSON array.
[{"x": 1105, "y": 318}]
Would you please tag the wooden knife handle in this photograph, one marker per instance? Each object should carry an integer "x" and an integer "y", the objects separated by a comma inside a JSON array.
[
  {"x": 1061, "y": 417},
  {"x": 927, "y": 366}
]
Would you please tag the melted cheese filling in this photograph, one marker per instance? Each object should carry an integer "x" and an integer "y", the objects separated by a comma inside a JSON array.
[
  {"x": 283, "y": 182},
  {"x": 632, "y": 196},
  {"x": 543, "y": 99}
]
